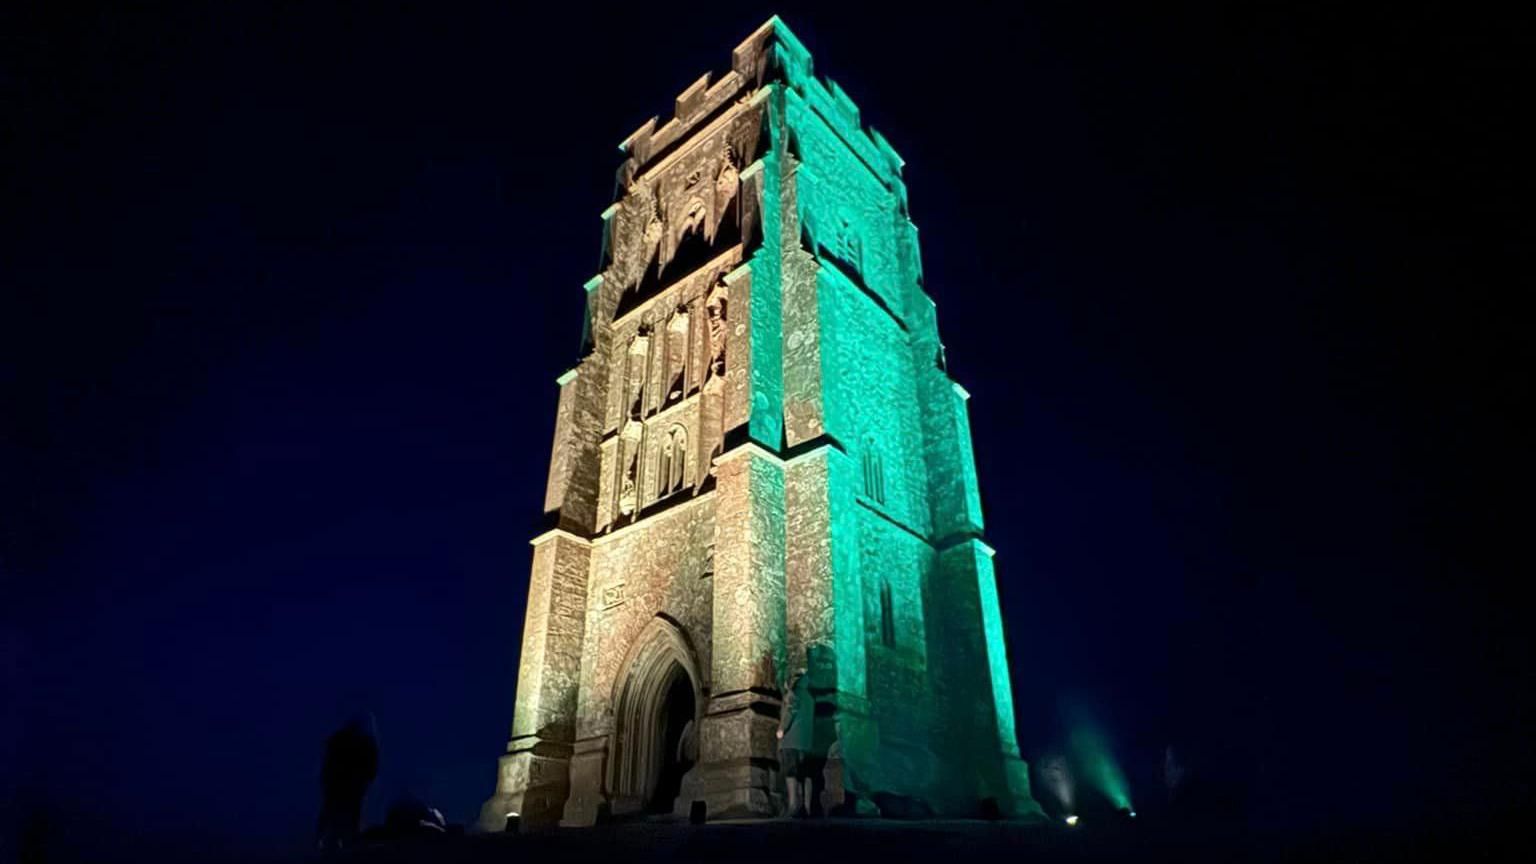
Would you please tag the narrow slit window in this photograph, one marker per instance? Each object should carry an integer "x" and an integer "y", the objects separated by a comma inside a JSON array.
[
  {"x": 887, "y": 617},
  {"x": 874, "y": 473}
]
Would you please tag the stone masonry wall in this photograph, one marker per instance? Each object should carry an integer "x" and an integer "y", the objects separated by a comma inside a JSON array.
[
  {"x": 761, "y": 452},
  {"x": 659, "y": 566}
]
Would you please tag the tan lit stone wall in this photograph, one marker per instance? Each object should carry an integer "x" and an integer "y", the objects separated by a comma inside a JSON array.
[
  {"x": 660, "y": 566},
  {"x": 551, "y": 661},
  {"x": 749, "y": 572}
]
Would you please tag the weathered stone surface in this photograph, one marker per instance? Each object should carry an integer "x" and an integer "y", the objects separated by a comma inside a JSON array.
[{"x": 760, "y": 467}]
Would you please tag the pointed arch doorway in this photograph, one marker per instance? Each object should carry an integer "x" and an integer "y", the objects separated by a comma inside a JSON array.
[{"x": 656, "y": 716}]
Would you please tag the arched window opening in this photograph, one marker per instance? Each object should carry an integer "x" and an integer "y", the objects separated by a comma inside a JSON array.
[{"x": 672, "y": 462}]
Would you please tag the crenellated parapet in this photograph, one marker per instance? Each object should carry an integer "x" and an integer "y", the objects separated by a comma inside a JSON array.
[
  {"x": 701, "y": 100},
  {"x": 772, "y": 52},
  {"x": 829, "y": 99}
]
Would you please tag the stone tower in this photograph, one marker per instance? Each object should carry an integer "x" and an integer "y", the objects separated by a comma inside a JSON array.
[{"x": 760, "y": 466}]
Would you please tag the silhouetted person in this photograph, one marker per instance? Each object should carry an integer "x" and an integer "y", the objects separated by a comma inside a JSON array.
[
  {"x": 351, "y": 762},
  {"x": 796, "y": 735}
]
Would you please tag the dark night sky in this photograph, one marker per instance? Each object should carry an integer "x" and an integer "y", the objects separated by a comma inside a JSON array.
[{"x": 285, "y": 292}]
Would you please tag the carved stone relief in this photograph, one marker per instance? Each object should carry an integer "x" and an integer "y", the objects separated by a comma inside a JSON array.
[
  {"x": 715, "y": 308},
  {"x": 629, "y": 454}
]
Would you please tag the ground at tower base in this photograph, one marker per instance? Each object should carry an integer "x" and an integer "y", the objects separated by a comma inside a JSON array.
[{"x": 877, "y": 841}]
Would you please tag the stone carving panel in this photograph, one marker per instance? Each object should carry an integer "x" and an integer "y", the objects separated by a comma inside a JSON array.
[{"x": 692, "y": 192}]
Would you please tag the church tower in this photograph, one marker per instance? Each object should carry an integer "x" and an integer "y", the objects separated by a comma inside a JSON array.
[{"x": 760, "y": 467}]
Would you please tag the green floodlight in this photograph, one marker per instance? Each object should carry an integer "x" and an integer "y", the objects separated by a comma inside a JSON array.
[{"x": 1100, "y": 768}]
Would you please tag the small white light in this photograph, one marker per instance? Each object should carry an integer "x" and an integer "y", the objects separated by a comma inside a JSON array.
[
  {"x": 1133, "y": 814},
  {"x": 512, "y": 815},
  {"x": 1072, "y": 820}
]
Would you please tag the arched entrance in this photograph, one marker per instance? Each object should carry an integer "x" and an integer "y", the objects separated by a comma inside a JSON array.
[
  {"x": 675, "y": 755},
  {"x": 656, "y": 716}
]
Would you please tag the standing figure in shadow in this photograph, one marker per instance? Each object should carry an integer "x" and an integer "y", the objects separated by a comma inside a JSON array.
[
  {"x": 797, "y": 757},
  {"x": 351, "y": 762}
]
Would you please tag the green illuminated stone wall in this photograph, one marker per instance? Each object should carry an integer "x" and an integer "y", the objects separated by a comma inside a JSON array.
[{"x": 761, "y": 467}]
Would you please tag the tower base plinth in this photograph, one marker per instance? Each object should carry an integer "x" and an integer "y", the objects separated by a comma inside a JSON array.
[
  {"x": 531, "y": 786},
  {"x": 739, "y": 769},
  {"x": 588, "y": 799}
]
